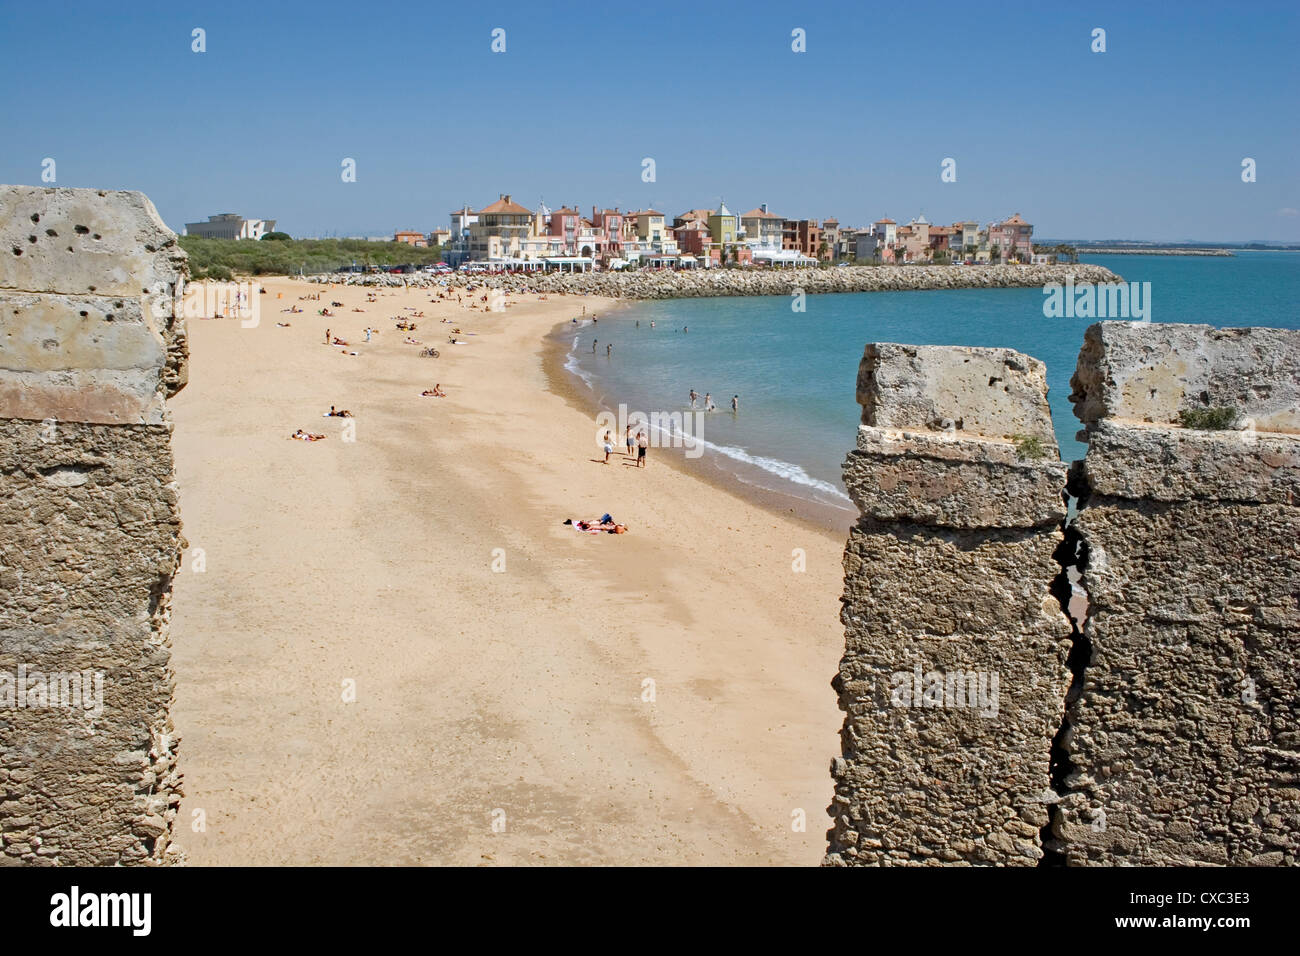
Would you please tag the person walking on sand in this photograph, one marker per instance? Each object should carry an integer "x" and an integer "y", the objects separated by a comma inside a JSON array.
[
  {"x": 631, "y": 441},
  {"x": 735, "y": 404},
  {"x": 327, "y": 336},
  {"x": 642, "y": 443},
  {"x": 694, "y": 398},
  {"x": 609, "y": 447}
]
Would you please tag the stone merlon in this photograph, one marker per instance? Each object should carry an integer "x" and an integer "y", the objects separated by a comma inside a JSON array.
[
  {"x": 954, "y": 676},
  {"x": 1183, "y": 745},
  {"x": 90, "y": 348}
]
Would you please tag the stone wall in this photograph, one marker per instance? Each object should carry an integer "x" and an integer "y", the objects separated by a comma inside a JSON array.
[
  {"x": 948, "y": 590},
  {"x": 1184, "y": 746},
  {"x": 90, "y": 346},
  {"x": 1163, "y": 729}
]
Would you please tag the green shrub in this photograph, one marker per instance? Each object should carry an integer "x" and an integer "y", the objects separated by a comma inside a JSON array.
[
  {"x": 1029, "y": 447},
  {"x": 276, "y": 237},
  {"x": 288, "y": 256},
  {"x": 1215, "y": 419}
]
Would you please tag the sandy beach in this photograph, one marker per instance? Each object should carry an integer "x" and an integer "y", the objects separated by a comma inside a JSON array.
[{"x": 396, "y": 653}]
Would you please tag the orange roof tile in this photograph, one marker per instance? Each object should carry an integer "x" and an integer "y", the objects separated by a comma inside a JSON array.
[{"x": 504, "y": 205}]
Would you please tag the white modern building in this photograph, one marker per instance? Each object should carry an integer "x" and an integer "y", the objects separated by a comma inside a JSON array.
[{"x": 229, "y": 225}]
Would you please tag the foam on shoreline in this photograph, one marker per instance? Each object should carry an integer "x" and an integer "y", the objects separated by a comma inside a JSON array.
[{"x": 829, "y": 508}]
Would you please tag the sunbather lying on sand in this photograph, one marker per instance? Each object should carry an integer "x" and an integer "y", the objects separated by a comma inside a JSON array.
[
  {"x": 411, "y": 341},
  {"x": 435, "y": 392},
  {"x": 301, "y": 435},
  {"x": 606, "y": 523},
  {"x": 341, "y": 413}
]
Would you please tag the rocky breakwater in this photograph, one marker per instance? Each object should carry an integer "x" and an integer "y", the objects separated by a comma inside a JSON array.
[
  {"x": 1183, "y": 746},
  {"x": 90, "y": 348},
  {"x": 954, "y": 675},
  {"x": 669, "y": 284}
]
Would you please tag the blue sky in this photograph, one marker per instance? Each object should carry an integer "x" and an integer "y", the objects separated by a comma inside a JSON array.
[{"x": 1145, "y": 140}]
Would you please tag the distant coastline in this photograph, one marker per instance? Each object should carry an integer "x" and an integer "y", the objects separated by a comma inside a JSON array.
[{"x": 1152, "y": 251}]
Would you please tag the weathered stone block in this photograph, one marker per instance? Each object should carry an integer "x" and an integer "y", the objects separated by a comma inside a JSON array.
[
  {"x": 984, "y": 393},
  {"x": 85, "y": 242},
  {"x": 953, "y": 482},
  {"x": 80, "y": 358},
  {"x": 1127, "y": 461},
  {"x": 1146, "y": 372},
  {"x": 89, "y": 242}
]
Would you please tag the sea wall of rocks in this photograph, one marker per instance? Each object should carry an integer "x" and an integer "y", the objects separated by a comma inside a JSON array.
[
  {"x": 1184, "y": 746},
  {"x": 667, "y": 284},
  {"x": 90, "y": 348},
  {"x": 954, "y": 672},
  {"x": 1162, "y": 728}
]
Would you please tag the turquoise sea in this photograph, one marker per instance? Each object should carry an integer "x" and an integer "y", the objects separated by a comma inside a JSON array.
[{"x": 795, "y": 372}]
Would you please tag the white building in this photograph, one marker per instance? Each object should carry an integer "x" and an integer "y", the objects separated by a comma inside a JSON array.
[{"x": 229, "y": 225}]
